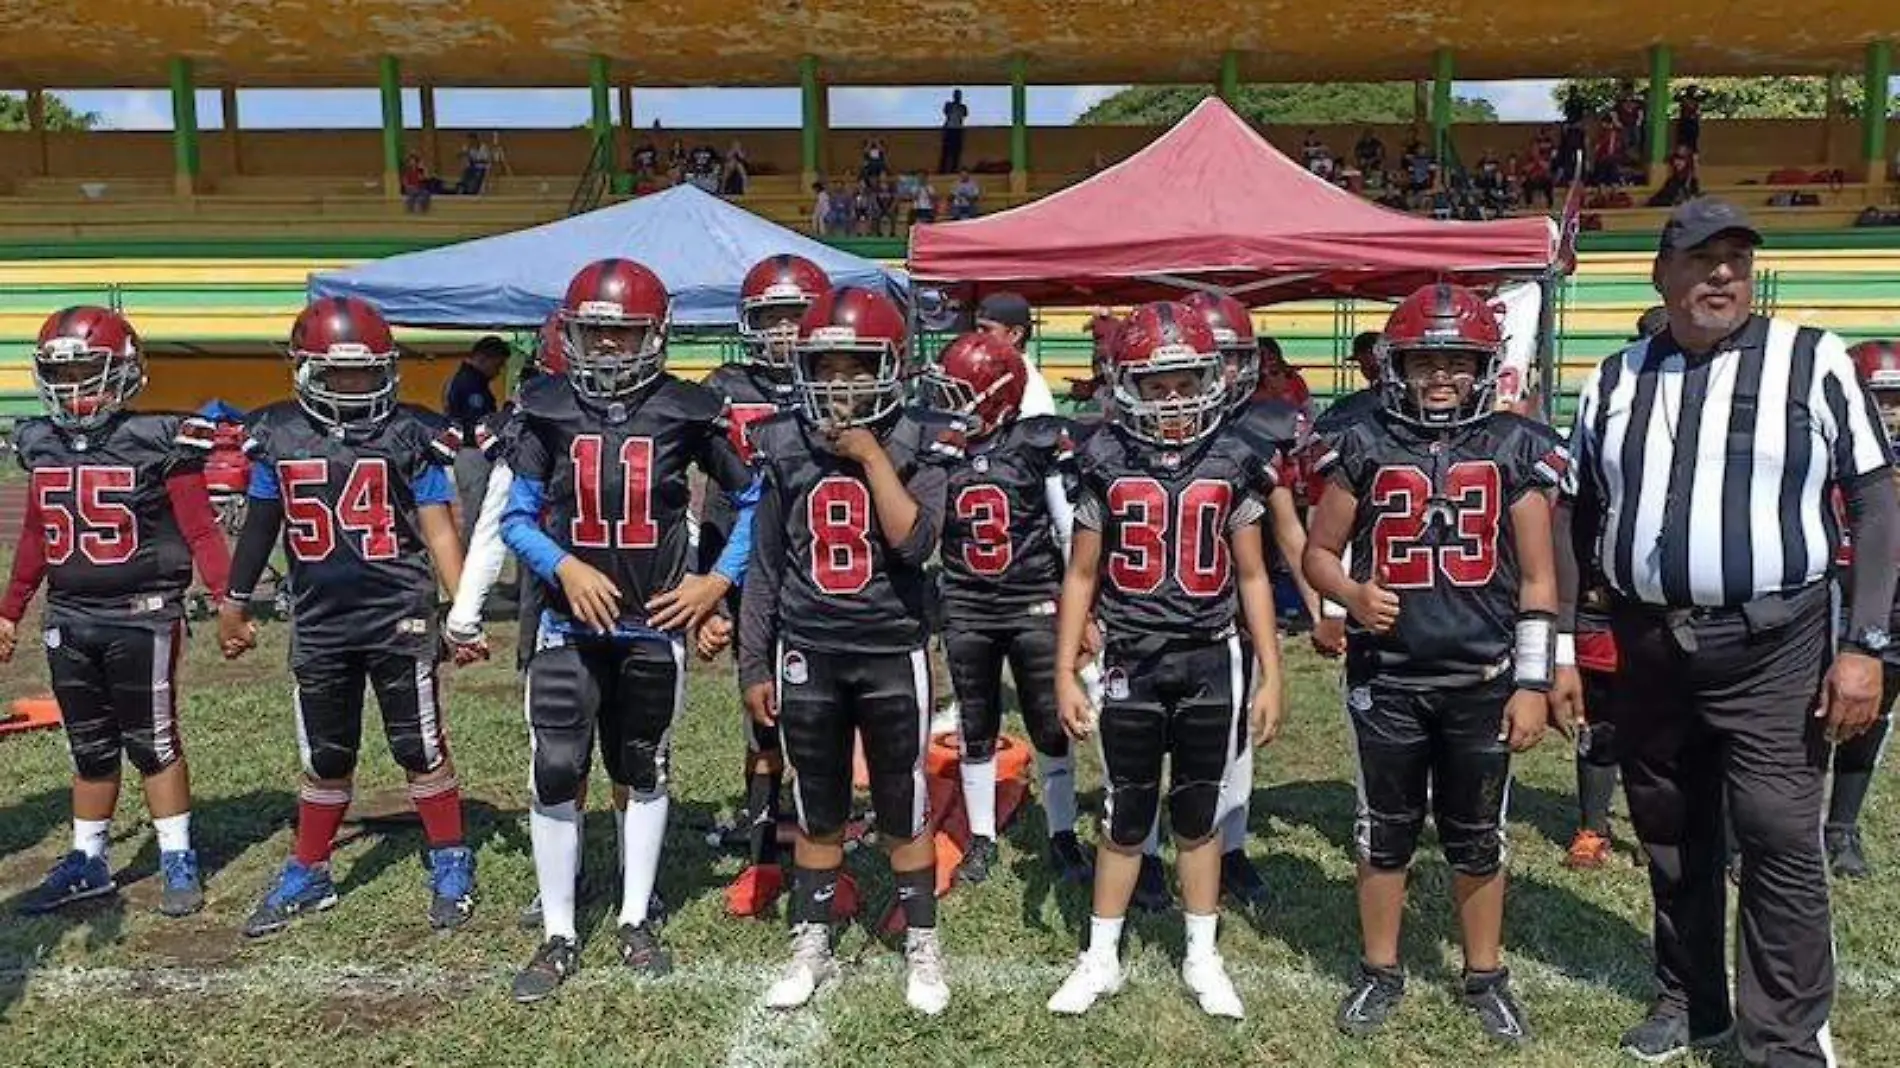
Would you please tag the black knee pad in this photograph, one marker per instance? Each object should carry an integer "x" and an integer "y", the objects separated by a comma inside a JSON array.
[
  {"x": 560, "y": 724},
  {"x": 895, "y": 733},
  {"x": 144, "y": 753},
  {"x": 1469, "y": 785},
  {"x": 816, "y": 738},
  {"x": 1201, "y": 744},
  {"x": 975, "y": 663},
  {"x": 331, "y": 759},
  {"x": 409, "y": 697},
  {"x": 1134, "y": 741},
  {"x": 1032, "y": 662},
  {"x": 1392, "y": 803},
  {"x": 95, "y": 749},
  {"x": 644, "y": 701}
]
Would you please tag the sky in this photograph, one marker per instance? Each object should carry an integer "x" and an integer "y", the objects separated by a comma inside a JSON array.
[{"x": 910, "y": 106}]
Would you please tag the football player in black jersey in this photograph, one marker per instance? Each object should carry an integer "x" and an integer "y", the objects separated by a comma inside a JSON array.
[
  {"x": 1006, "y": 533},
  {"x": 357, "y": 484},
  {"x": 772, "y": 299},
  {"x": 1167, "y": 530},
  {"x": 1452, "y": 591},
  {"x": 835, "y": 619},
  {"x": 116, "y": 514},
  {"x": 1329, "y": 625},
  {"x": 598, "y": 512}
]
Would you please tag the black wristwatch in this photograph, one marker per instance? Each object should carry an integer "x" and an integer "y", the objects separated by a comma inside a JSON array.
[{"x": 1872, "y": 641}]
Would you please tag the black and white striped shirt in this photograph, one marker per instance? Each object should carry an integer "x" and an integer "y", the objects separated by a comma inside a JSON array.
[{"x": 1711, "y": 477}]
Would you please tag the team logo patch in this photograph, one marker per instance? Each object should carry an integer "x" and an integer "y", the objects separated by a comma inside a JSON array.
[
  {"x": 616, "y": 412},
  {"x": 1115, "y": 684},
  {"x": 52, "y": 637},
  {"x": 413, "y": 626},
  {"x": 1170, "y": 460},
  {"x": 1359, "y": 698},
  {"x": 981, "y": 463},
  {"x": 796, "y": 671}
]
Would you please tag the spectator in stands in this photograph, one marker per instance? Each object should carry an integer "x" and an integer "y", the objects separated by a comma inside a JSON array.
[
  {"x": 733, "y": 178},
  {"x": 467, "y": 400},
  {"x": 1607, "y": 160},
  {"x": 1571, "y": 143},
  {"x": 1280, "y": 380},
  {"x": 873, "y": 166},
  {"x": 863, "y": 208},
  {"x": 1689, "y": 119},
  {"x": 646, "y": 157},
  {"x": 1419, "y": 167},
  {"x": 676, "y": 161},
  {"x": 963, "y": 197},
  {"x": 1682, "y": 184},
  {"x": 1488, "y": 177},
  {"x": 702, "y": 168},
  {"x": 884, "y": 216},
  {"x": 1369, "y": 152},
  {"x": 1310, "y": 149},
  {"x": 1538, "y": 178},
  {"x": 820, "y": 210},
  {"x": 476, "y": 159},
  {"x": 923, "y": 205},
  {"x": 418, "y": 186},
  {"x": 950, "y": 160}
]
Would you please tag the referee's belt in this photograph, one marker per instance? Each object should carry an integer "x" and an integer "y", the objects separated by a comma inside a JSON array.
[{"x": 1763, "y": 614}]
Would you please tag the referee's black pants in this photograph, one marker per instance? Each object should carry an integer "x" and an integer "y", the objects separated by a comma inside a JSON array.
[{"x": 1712, "y": 709}]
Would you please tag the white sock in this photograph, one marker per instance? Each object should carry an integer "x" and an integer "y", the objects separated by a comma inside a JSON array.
[
  {"x": 1105, "y": 938},
  {"x": 555, "y": 831},
  {"x": 174, "y": 832},
  {"x": 1237, "y": 790},
  {"x": 1058, "y": 791},
  {"x": 1200, "y": 935},
  {"x": 92, "y": 836},
  {"x": 979, "y": 796},
  {"x": 645, "y": 824}
]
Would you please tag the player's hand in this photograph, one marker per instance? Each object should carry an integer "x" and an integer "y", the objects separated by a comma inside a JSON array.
[
  {"x": 760, "y": 705},
  {"x": 593, "y": 596},
  {"x": 1329, "y": 636},
  {"x": 1263, "y": 717},
  {"x": 1072, "y": 704},
  {"x": 686, "y": 606},
  {"x": 1526, "y": 715},
  {"x": 9, "y": 633},
  {"x": 236, "y": 634},
  {"x": 1374, "y": 604},
  {"x": 1850, "y": 699},
  {"x": 1092, "y": 640},
  {"x": 713, "y": 637},
  {"x": 856, "y": 443},
  {"x": 467, "y": 650},
  {"x": 1566, "y": 700}
]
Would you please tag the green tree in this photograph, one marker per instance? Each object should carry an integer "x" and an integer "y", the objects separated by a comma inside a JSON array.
[
  {"x": 1281, "y": 104},
  {"x": 58, "y": 116},
  {"x": 1794, "y": 97}
]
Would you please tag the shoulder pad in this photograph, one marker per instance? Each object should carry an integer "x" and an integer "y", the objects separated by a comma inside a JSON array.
[
  {"x": 547, "y": 397},
  {"x": 937, "y": 434},
  {"x": 437, "y": 436},
  {"x": 29, "y": 435},
  {"x": 777, "y": 437},
  {"x": 694, "y": 401},
  {"x": 261, "y": 426}
]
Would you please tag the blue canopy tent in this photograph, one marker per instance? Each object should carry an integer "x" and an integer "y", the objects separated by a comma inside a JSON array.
[{"x": 699, "y": 245}]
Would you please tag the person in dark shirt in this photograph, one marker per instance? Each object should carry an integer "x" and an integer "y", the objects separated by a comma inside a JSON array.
[{"x": 468, "y": 401}]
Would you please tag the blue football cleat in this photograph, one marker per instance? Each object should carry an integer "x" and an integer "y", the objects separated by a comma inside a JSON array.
[
  {"x": 452, "y": 884},
  {"x": 298, "y": 890},
  {"x": 75, "y": 878},
  {"x": 183, "y": 892}
]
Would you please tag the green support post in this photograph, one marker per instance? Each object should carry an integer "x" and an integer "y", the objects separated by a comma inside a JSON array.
[
  {"x": 389, "y": 79},
  {"x": 600, "y": 122},
  {"x": 184, "y": 127},
  {"x": 1441, "y": 108},
  {"x": 1018, "y": 125},
  {"x": 811, "y": 108},
  {"x": 1873, "y": 128},
  {"x": 1661, "y": 66},
  {"x": 1230, "y": 77}
]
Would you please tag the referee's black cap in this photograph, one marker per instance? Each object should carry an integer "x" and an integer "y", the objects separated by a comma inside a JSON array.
[{"x": 1699, "y": 221}]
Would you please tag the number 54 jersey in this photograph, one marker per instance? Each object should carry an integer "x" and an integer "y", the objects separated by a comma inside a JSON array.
[
  {"x": 360, "y": 575},
  {"x": 1435, "y": 513}
]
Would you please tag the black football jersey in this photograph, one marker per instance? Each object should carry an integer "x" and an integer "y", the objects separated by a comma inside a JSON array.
[
  {"x": 615, "y": 478},
  {"x": 843, "y": 589},
  {"x": 114, "y": 551},
  {"x": 360, "y": 574},
  {"x": 1434, "y": 513},
  {"x": 1167, "y": 517},
  {"x": 1000, "y": 555},
  {"x": 751, "y": 396},
  {"x": 1348, "y": 410}
]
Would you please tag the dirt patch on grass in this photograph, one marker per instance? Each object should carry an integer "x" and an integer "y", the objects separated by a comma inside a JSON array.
[{"x": 358, "y": 1015}]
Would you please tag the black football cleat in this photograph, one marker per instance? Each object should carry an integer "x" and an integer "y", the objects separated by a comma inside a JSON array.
[
  {"x": 1070, "y": 859},
  {"x": 974, "y": 868}
]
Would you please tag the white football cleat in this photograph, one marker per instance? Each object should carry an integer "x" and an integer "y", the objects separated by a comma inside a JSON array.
[
  {"x": 810, "y": 968},
  {"x": 924, "y": 987},
  {"x": 1207, "y": 977},
  {"x": 1094, "y": 978}
]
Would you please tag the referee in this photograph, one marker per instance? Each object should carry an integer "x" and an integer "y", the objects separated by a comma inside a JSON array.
[{"x": 1705, "y": 459}]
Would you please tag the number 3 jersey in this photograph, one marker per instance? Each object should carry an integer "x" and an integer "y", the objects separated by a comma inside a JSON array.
[
  {"x": 1000, "y": 552},
  {"x": 1167, "y": 517},
  {"x": 360, "y": 574},
  {"x": 1435, "y": 513},
  {"x": 114, "y": 551},
  {"x": 612, "y": 480},
  {"x": 823, "y": 577}
]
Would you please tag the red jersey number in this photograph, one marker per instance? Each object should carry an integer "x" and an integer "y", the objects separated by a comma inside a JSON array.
[
  {"x": 838, "y": 511},
  {"x": 362, "y": 508},
  {"x": 1470, "y": 509},
  {"x": 103, "y": 531},
  {"x": 1139, "y": 562},
  {"x": 739, "y": 420},
  {"x": 987, "y": 551},
  {"x": 635, "y": 529}
]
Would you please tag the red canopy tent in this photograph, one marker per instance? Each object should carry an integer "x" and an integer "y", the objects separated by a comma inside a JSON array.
[{"x": 1210, "y": 204}]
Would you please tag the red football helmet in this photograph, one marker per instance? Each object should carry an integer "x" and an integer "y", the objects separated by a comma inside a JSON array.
[
  {"x": 866, "y": 326},
  {"x": 550, "y": 347},
  {"x": 1442, "y": 323},
  {"x": 1233, "y": 335},
  {"x": 980, "y": 377},
  {"x": 344, "y": 363},
  {"x": 87, "y": 366},
  {"x": 772, "y": 299},
  {"x": 614, "y": 320},
  {"x": 1878, "y": 363},
  {"x": 1168, "y": 381}
]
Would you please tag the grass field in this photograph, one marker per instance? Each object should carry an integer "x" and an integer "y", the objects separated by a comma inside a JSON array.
[{"x": 367, "y": 983}]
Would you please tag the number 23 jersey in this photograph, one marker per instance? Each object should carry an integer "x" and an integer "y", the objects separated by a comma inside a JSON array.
[{"x": 1434, "y": 511}]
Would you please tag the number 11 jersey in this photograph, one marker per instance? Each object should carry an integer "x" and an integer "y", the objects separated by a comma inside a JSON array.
[{"x": 1435, "y": 513}]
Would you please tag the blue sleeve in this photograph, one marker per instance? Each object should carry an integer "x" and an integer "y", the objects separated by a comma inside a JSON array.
[
  {"x": 263, "y": 482},
  {"x": 737, "y": 554},
  {"x": 521, "y": 529},
  {"x": 433, "y": 486}
]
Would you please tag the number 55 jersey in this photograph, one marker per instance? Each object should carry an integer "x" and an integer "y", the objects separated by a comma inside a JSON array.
[{"x": 1434, "y": 515}]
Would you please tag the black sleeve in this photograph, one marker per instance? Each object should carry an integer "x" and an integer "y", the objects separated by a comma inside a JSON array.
[
  {"x": 263, "y": 518},
  {"x": 717, "y": 457},
  {"x": 759, "y": 597},
  {"x": 1873, "y": 520},
  {"x": 927, "y": 485},
  {"x": 1569, "y": 570}
]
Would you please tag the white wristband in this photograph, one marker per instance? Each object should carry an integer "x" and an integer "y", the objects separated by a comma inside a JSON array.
[
  {"x": 1331, "y": 609},
  {"x": 1536, "y": 639},
  {"x": 1566, "y": 650}
]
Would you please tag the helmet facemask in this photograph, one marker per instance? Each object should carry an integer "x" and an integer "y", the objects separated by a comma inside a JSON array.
[
  {"x": 846, "y": 383},
  {"x": 768, "y": 326},
  {"x": 82, "y": 386},
  {"x": 610, "y": 354},
  {"x": 1441, "y": 385},
  {"x": 1175, "y": 398},
  {"x": 348, "y": 387}
]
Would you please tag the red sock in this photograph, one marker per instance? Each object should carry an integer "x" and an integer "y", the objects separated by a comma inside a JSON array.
[
  {"x": 440, "y": 806},
  {"x": 319, "y": 814}
]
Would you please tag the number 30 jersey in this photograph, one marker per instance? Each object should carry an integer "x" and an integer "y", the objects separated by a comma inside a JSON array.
[
  {"x": 1167, "y": 519},
  {"x": 1434, "y": 512},
  {"x": 1000, "y": 554},
  {"x": 360, "y": 575}
]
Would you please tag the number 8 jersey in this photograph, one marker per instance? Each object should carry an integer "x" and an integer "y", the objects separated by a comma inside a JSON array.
[
  {"x": 1435, "y": 512},
  {"x": 360, "y": 576}
]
